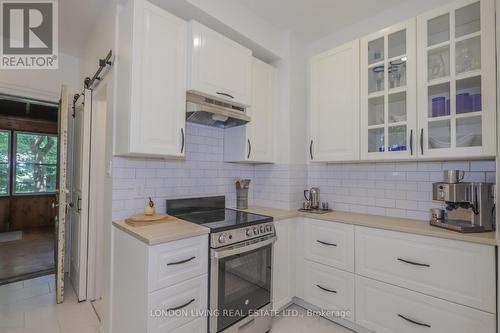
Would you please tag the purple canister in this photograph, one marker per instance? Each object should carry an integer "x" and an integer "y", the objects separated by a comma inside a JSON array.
[
  {"x": 448, "y": 107},
  {"x": 438, "y": 106},
  {"x": 463, "y": 103},
  {"x": 476, "y": 102}
]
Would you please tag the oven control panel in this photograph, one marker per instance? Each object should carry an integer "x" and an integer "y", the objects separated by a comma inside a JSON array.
[{"x": 228, "y": 237}]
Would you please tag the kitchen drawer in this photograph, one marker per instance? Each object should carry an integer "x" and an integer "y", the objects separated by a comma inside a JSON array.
[
  {"x": 329, "y": 243},
  {"x": 178, "y": 261},
  {"x": 383, "y": 308},
  {"x": 457, "y": 271},
  {"x": 329, "y": 288},
  {"x": 189, "y": 298},
  {"x": 195, "y": 326}
]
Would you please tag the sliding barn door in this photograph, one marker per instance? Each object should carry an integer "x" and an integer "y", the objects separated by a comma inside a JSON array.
[
  {"x": 62, "y": 195},
  {"x": 80, "y": 195}
]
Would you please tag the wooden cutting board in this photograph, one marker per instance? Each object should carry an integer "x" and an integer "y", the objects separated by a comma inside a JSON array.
[{"x": 143, "y": 220}]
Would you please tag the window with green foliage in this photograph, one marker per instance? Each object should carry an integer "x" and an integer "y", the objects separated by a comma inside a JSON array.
[
  {"x": 4, "y": 162},
  {"x": 36, "y": 163}
]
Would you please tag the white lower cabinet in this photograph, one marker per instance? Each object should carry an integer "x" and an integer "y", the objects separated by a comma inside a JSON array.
[
  {"x": 186, "y": 300},
  {"x": 159, "y": 288},
  {"x": 457, "y": 271},
  {"x": 329, "y": 243},
  {"x": 398, "y": 283},
  {"x": 283, "y": 277},
  {"x": 384, "y": 308},
  {"x": 329, "y": 289}
]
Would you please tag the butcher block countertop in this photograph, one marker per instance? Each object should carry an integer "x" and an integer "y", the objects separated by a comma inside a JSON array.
[
  {"x": 417, "y": 227},
  {"x": 163, "y": 232}
]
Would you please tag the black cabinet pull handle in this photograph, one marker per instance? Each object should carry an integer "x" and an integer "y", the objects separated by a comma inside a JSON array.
[
  {"x": 414, "y": 263},
  {"x": 422, "y": 141},
  {"x": 181, "y": 306},
  {"x": 411, "y": 142},
  {"x": 180, "y": 262},
  {"x": 224, "y": 94},
  {"x": 249, "y": 148},
  {"x": 182, "y": 136},
  {"x": 325, "y": 243},
  {"x": 326, "y": 289},
  {"x": 413, "y": 321},
  {"x": 311, "y": 150}
]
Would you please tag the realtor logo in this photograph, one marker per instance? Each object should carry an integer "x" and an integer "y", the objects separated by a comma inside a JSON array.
[{"x": 29, "y": 34}]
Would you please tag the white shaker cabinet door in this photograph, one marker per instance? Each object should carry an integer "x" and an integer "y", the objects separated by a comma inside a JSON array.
[
  {"x": 388, "y": 93},
  {"x": 457, "y": 81},
  {"x": 151, "y": 82},
  {"x": 218, "y": 67},
  {"x": 334, "y": 105}
]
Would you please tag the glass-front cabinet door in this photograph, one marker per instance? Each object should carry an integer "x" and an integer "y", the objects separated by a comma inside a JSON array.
[
  {"x": 456, "y": 80},
  {"x": 388, "y": 93}
]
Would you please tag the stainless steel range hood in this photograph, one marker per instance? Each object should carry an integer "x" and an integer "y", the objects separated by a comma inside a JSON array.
[{"x": 208, "y": 111}]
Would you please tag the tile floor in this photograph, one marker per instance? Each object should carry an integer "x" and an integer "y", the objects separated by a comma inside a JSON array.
[
  {"x": 305, "y": 324},
  {"x": 29, "y": 306}
]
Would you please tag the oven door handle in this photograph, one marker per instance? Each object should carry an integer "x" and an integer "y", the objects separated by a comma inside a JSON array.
[{"x": 223, "y": 253}]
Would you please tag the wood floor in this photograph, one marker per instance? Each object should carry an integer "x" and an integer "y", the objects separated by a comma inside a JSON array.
[{"x": 29, "y": 257}]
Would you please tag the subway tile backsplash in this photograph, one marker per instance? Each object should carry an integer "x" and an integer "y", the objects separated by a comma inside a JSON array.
[{"x": 400, "y": 189}]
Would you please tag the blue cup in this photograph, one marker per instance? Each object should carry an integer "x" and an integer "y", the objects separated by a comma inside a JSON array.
[
  {"x": 464, "y": 104},
  {"x": 438, "y": 106}
]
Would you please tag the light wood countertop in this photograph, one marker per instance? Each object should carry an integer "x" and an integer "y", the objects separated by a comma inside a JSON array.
[
  {"x": 163, "y": 232},
  {"x": 417, "y": 227}
]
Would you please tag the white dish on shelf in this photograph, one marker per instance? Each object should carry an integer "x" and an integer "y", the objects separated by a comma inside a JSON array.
[
  {"x": 466, "y": 141},
  {"x": 435, "y": 143}
]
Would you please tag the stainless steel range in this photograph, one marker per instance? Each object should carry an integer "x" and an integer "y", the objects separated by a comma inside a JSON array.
[{"x": 240, "y": 263}]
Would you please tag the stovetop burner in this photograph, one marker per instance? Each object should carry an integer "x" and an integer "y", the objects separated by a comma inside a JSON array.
[
  {"x": 224, "y": 219},
  {"x": 227, "y": 226}
]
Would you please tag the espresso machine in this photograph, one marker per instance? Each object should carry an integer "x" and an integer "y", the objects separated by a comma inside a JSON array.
[{"x": 470, "y": 207}]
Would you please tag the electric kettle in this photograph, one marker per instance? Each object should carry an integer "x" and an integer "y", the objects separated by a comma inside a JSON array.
[{"x": 312, "y": 196}]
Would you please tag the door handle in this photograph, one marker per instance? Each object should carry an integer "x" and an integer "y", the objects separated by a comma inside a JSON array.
[
  {"x": 325, "y": 243},
  {"x": 78, "y": 205},
  {"x": 326, "y": 289},
  {"x": 413, "y": 263},
  {"x": 224, "y": 94},
  {"x": 411, "y": 142},
  {"x": 413, "y": 321},
  {"x": 249, "y": 148},
  {"x": 422, "y": 141},
  {"x": 181, "y": 306},
  {"x": 180, "y": 262},
  {"x": 311, "y": 150},
  {"x": 182, "y": 142}
]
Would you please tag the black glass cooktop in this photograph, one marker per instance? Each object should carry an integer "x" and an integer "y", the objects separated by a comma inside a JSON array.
[{"x": 211, "y": 213}]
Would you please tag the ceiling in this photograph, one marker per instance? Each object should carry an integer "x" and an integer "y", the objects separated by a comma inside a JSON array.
[
  {"x": 314, "y": 19},
  {"x": 76, "y": 19}
]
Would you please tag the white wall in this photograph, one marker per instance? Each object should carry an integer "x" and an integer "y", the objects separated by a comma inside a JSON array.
[
  {"x": 44, "y": 84},
  {"x": 379, "y": 21}
]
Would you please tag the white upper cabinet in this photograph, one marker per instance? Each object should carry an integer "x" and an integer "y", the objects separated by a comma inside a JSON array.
[
  {"x": 151, "y": 82},
  {"x": 254, "y": 142},
  {"x": 388, "y": 93},
  {"x": 334, "y": 105},
  {"x": 218, "y": 67},
  {"x": 456, "y": 81}
]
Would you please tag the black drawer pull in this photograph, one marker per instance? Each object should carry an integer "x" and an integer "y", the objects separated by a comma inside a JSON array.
[
  {"x": 325, "y": 243},
  {"x": 413, "y": 321},
  {"x": 224, "y": 94},
  {"x": 182, "y": 306},
  {"x": 180, "y": 262},
  {"x": 326, "y": 289},
  {"x": 414, "y": 263}
]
